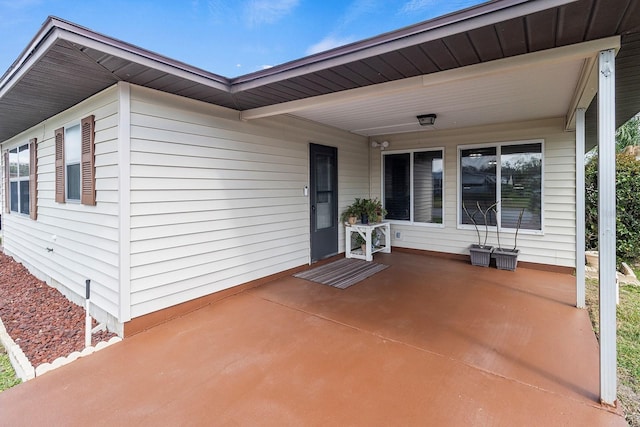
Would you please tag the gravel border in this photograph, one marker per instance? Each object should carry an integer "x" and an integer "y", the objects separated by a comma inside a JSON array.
[{"x": 40, "y": 326}]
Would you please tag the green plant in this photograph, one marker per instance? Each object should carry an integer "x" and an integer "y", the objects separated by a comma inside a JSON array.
[
  {"x": 628, "y": 134},
  {"x": 627, "y": 207},
  {"x": 350, "y": 211},
  {"x": 7, "y": 375},
  {"x": 628, "y": 344},
  {"x": 373, "y": 209}
]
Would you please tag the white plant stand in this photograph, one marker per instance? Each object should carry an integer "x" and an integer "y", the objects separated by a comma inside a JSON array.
[{"x": 367, "y": 231}]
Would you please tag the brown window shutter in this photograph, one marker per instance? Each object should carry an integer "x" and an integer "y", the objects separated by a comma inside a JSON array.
[
  {"x": 60, "y": 193},
  {"x": 33, "y": 178},
  {"x": 7, "y": 186},
  {"x": 88, "y": 193}
]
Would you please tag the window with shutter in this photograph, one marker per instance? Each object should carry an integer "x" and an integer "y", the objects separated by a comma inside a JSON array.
[
  {"x": 33, "y": 178},
  {"x": 88, "y": 195},
  {"x": 59, "y": 168},
  {"x": 19, "y": 176},
  {"x": 75, "y": 163}
]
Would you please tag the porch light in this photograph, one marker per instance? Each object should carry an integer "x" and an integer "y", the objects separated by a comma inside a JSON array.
[
  {"x": 427, "y": 119},
  {"x": 382, "y": 145}
]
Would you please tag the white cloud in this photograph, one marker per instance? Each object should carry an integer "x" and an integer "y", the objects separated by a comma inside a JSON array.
[
  {"x": 266, "y": 67},
  {"x": 357, "y": 10},
  {"x": 267, "y": 11},
  {"x": 327, "y": 43},
  {"x": 220, "y": 11},
  {"x": 417, "y": 6},
  {"x": 435, "y": 7}
]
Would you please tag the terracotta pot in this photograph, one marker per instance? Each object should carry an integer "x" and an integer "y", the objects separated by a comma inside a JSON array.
[
  {"x": 353, "y": 220},
  {"x": 592, "y": 258}
]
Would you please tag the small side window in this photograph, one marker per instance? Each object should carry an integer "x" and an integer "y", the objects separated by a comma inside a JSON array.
[{"x": 72, "y": 161}]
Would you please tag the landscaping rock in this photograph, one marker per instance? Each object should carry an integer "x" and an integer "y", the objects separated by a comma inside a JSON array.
[{"x": 42, "y": 321}]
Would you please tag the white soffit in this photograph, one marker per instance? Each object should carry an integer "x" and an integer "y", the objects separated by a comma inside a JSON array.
[
  {"x": 527, "y": 87},
  {"x": 510, "y": 96}
]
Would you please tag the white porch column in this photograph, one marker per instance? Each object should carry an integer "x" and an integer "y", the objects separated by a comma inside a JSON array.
[
  {"x": 607, "y": 224},
  {"x": 580, "y": 208}
]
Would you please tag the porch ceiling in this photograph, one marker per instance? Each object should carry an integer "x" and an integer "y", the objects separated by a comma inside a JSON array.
[
  {"x": 503, "y": 95},
  {"x": 66, "y": 63}
]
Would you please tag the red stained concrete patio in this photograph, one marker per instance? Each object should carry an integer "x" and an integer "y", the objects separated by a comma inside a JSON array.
[{"x": 427, "y": 341}]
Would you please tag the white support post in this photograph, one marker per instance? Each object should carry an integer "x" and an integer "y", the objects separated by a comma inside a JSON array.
[
  {"x": 607, "y": 225},
  {"x": 580, "y": 208}
]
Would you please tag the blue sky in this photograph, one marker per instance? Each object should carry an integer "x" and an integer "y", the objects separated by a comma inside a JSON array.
[{"x": 226, "y": 37}]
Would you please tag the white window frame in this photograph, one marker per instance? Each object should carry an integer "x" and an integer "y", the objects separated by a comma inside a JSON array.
[
  {"x": 411, "y": 152},
  {"x": 498, "y": 146},
  {"x": 20, "y": 178},
  {"x": 66, "y": 163}
]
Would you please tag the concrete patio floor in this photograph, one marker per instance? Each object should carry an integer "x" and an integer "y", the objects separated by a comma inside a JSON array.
[{"x": 428, "y": 341}]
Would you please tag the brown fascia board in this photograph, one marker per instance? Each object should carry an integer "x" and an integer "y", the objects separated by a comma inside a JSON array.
[
  {"x": 474, "y": 17},
  {"x": 56, "y": 27}
]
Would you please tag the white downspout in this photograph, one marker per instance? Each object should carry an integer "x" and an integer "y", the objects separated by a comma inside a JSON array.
[
  {"x": 580, "y": 208},
  {"x": 607, "y": 225}
]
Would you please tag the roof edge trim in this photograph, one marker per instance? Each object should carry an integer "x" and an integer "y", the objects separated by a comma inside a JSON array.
[
  {"x": 56, "y": 28},
  {"x": 484, "y": 14},
  {"x": 563, "y": 53}
]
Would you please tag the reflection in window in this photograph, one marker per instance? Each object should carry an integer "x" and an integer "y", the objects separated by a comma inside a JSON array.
[
  {"x": 413, "y": 186},
  {"x": 521, "y": 189},
  {"x": 324, "y": 191},
  {"x": 72, "y": 155},
  {"x": 518, "y": 169},
  {"x": 19, "y": 179},
  {"x": 478, "y": 169}
]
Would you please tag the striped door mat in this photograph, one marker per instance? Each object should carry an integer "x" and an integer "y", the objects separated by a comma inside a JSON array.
[{"x": 342, "y": 273}]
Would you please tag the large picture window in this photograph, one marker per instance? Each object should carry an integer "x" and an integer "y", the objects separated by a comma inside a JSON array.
[
  {"x": 507, "y": 174},
  {"x": 413, "y": 186},
  {"x": 19, "y": 159}
]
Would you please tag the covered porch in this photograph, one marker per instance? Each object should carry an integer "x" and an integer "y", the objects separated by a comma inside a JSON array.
[{"x": 429, "y": 340}]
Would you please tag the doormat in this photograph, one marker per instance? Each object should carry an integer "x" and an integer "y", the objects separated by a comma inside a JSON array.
[{"x": 342, "y": 273}]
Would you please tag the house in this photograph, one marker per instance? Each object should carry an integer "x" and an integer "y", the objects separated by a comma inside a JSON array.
[{"x": 167, "y": 185}]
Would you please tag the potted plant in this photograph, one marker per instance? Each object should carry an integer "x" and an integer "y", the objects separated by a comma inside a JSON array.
[
  {"x": 350, "y": 214},
  {"x": 357, "y": 241},
  {"x": 481, "y": 253},
  {"x": 368, "y": 210},
  {"x": 372, "y": 210},
  {"x": 507, "y": 259}
]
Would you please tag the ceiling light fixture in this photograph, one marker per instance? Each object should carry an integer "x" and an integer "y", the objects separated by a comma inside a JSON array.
[
  {"x": 427, "y": 119},
  {"x": 382, "y": 145}
]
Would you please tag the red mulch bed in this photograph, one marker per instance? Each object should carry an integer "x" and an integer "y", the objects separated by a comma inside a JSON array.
[{"x": 42, "y": 321}]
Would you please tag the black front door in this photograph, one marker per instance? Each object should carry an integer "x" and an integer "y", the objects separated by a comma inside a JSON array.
[{"x": 323, "y": 163}]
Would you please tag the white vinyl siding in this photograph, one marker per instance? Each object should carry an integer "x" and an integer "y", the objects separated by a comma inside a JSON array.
[
  {"x": 217, "y": 202},
  {"x": 84, "y": 239},
  {"x": 555, "y": 245}
]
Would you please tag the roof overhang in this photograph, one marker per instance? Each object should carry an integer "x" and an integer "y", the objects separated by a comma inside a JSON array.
[{"x": 539, "y": 85}]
